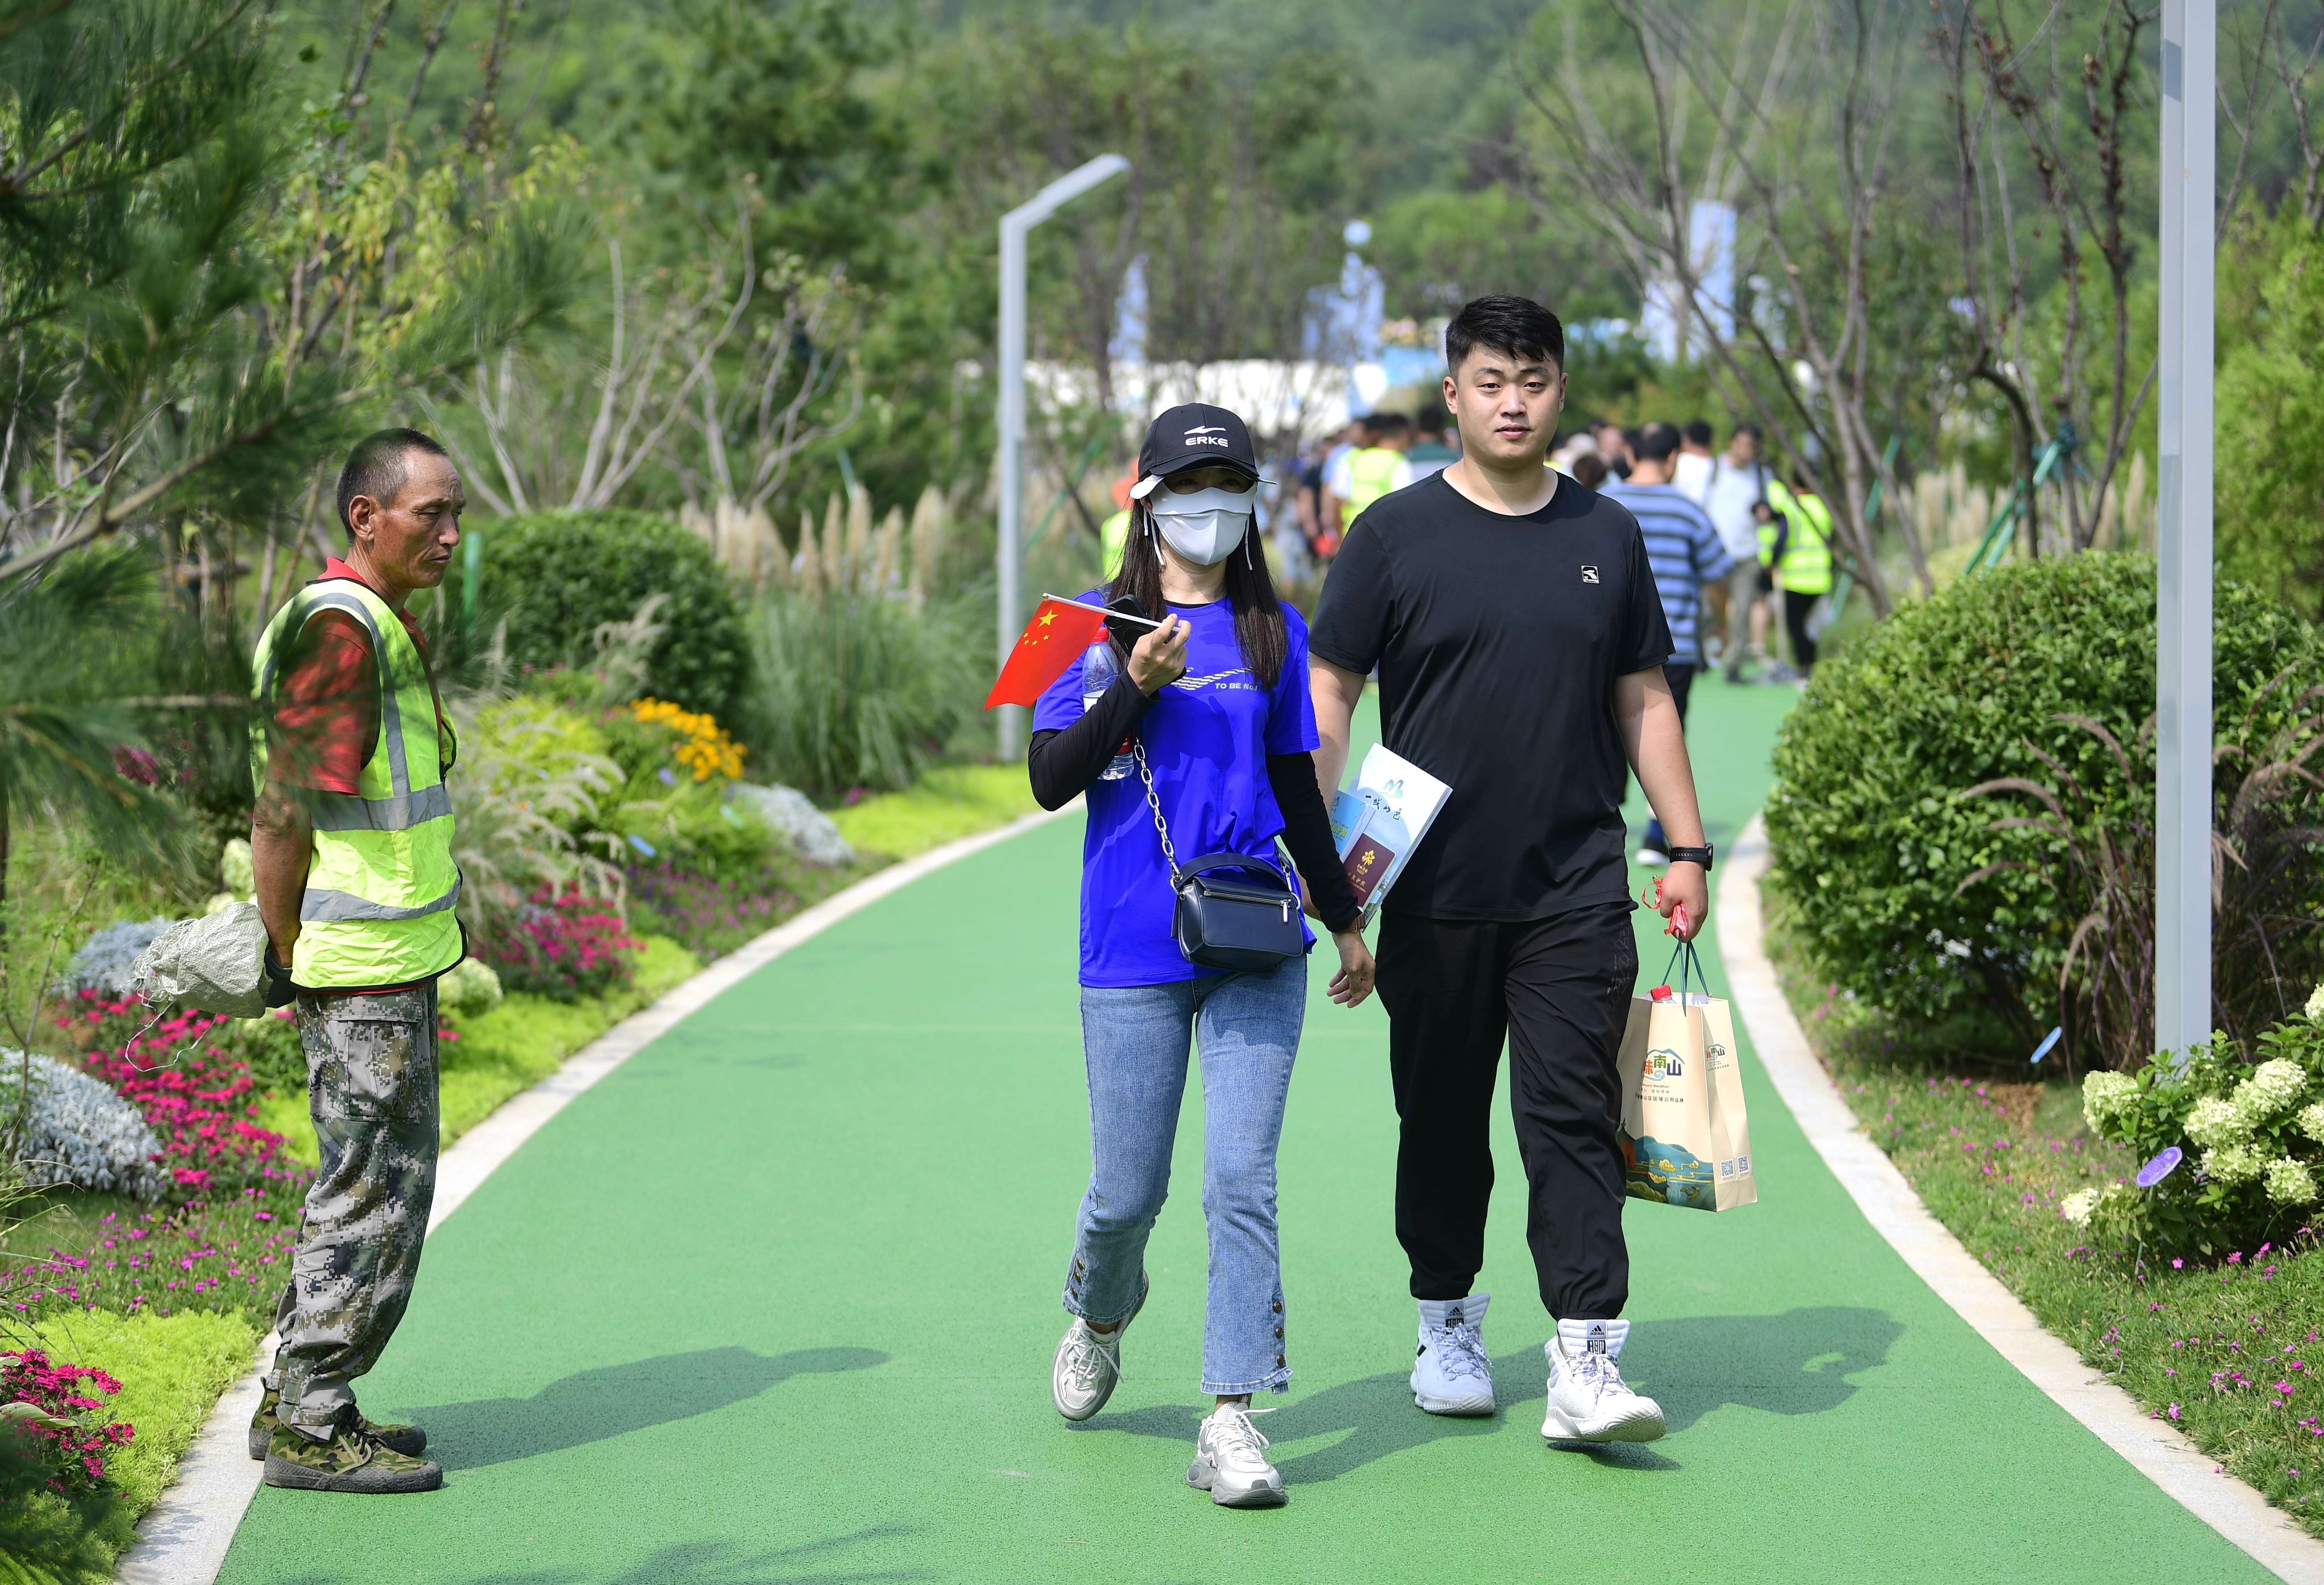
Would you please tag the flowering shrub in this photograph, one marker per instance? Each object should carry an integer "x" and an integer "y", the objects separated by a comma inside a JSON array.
[
  {"x": 198, "y": 1098},
  {"x": 231, "y": 1257},
  {"x": 708, "y": 916},
  {"x": 2233, "y": 1152},
  {"x": 564, "y": 946},
  {"x": 696, "y": 742},
  {"x": 63, "y": 1421}
]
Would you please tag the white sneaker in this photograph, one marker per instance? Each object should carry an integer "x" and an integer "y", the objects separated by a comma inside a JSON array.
[
  {"x": 1588, "y": 1399},
  {"x": 1087, "y": 1364},
  {"x": 1451, "y": 1375},
  {"x": 1648, "y": 858},
  {"x": 1231, "y": 1460}
]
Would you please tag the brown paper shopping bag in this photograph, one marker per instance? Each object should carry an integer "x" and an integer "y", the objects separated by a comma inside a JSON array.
[{"x": 1685, "y": 1138}]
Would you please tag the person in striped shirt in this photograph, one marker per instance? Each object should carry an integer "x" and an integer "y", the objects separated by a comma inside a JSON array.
[{"x": 1685, "y": 550}]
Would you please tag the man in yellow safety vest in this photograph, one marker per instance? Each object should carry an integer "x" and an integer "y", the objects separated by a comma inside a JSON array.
[
  {"x": 352, "y": 849},
  {"x": 1361, "y": 476},
  {"x": 1795, "y": 542}
]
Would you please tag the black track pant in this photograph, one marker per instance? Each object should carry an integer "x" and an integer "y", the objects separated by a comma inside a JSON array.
[
  {"x": 1559, "y": 991},
  {"x": 1797, "y": 608}
]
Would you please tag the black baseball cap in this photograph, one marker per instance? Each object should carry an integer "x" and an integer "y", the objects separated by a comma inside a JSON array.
[{"x": 1193, "y": 435}]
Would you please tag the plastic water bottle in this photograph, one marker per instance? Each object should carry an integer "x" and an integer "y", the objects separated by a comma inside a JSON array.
[{"x": 1099, "y": 668}]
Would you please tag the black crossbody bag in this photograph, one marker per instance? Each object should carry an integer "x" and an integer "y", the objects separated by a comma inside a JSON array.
[{"x": 1233, "y": 911}]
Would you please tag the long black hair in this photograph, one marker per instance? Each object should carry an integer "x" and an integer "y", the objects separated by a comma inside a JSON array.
[{"x": 1258, "y": 627}]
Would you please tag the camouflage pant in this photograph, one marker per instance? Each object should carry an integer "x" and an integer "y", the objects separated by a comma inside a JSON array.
[{"x": 371, "y": 1071}]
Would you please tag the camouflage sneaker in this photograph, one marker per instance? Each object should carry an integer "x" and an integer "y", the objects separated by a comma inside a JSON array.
[
  {"x": 407, "y": 1440},
  {"x": 350, "y": 1461}
]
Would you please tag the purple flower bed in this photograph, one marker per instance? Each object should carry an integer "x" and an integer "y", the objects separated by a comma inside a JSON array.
[{"x": 710, "y": 918}]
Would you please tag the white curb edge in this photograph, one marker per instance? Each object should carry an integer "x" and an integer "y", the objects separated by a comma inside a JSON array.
[
  {"x": 182, "y": 1539},
  {"x": 2159, "y": 1451}
]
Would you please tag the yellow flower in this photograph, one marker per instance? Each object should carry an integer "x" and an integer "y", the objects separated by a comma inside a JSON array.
[{"x": 703, "y": 747}]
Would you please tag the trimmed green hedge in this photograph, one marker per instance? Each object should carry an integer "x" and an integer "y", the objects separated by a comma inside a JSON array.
[
  {"x": 561, "y": 574},
  {"x": 1868, "y": 842}
]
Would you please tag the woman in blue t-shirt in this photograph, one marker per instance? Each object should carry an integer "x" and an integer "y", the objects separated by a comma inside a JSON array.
[{"x": 1212, "y": 706}]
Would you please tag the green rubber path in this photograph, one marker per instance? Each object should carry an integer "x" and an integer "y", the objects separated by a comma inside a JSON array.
[{"x": 776, "y": 1300}]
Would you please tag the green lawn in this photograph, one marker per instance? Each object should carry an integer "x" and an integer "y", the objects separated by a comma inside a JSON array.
[
  {"x": 2223, "y": 1351},
  {"x": 948, "y": 802}
]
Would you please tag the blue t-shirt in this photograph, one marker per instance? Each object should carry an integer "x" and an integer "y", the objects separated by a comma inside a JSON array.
[{"x": 1206, "y": 739}]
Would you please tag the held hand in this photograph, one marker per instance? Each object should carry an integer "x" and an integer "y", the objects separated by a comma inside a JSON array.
[
  {"x": 1353, "y": 982},
  {"x": 1159, "y": 659},
  {"x": 1682, "y": 896}
]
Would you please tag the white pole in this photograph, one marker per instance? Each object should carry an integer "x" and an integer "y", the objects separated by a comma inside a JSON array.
[
  {"x": 2183, "y": 767},
  {"x": 1009, "y": 551}
]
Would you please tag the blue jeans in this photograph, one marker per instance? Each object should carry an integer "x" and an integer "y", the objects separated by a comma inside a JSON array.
[{"x": 1135, "y": 1040}]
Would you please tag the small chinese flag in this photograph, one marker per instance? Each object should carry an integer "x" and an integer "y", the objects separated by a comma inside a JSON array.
[{"x": 1053, "y": 640}]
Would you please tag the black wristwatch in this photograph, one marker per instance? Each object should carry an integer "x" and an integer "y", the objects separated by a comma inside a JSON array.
[{"x": 1700, "y": 855}]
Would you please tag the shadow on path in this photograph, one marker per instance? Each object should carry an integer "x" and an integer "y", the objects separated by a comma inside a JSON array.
[
  {"x": 592, "y": 1405},
  {"x": 1795, "y": 1363},
  {"x": 713, "y": 1562}
]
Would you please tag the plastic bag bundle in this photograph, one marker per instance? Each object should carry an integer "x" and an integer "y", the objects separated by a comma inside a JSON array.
[{"x": 217, "y": 963}]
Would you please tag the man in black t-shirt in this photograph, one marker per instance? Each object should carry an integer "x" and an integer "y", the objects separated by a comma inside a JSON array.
[{"x": 1520, "y": 643}]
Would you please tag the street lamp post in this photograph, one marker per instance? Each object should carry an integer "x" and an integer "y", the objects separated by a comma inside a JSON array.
[
  {"x": 1014, "y": 227},
  {"x": 2182, "y": 763}
]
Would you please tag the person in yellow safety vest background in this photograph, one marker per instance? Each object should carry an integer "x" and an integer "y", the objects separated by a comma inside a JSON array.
[
  {"x": 1361, "y": 476},
  {"x": 1113, "y": 534},
  {"x": 1795, "y": 543},
  {"x": 352, "y": 847}
]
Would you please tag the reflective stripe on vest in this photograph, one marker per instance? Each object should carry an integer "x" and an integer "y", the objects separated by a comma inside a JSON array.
[{"x": 382, "y": 886}]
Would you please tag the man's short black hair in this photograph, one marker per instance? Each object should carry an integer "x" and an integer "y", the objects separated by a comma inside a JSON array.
[
  {"x": 1698, "y": 432},
  {"x": 1388, "y": 423},
  {"x": 1658, "y": 442},
  {"x": 1748, "y": 428},
  {"x": 1432, "y": 420},
  {"x": 375, "y": 467},
  {"x": 1514, "y": 325}
]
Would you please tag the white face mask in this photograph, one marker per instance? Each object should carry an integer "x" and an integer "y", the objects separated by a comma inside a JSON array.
[{"x": 1204, "y": 526}]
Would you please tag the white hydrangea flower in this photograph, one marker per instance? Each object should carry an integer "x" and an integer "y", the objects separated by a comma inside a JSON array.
[
  {"x": 2214, "y": 1122},
  {"x": 471, "y": 987},
  {"x": 2290, "y": 1182},
  {"x": 2234, "y": 1164},
  {"x": 2105, "y": 1097},
  {"x": 2076, "y": 1206},
  {"x": 2273, "y": 1086},
  {"x": 2310, "y": 1121},
  {"x": 2315, "y": 1007}
]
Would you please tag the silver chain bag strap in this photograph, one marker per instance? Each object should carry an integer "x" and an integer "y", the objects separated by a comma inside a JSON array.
[{"x": 1248, "y": 923}]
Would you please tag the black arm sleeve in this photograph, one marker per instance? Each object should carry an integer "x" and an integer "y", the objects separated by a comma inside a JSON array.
[
  {"x": 1063, "y": 763},
  {"x": 1308, "y": 833}
]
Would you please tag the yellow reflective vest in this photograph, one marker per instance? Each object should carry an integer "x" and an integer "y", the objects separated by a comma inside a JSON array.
[
  {"x": 382, "y": 887},
  {"x": 1806, "y": 564},
  {"x": 1372, "y": 473},
  {"x": 1113, "y": 535}
]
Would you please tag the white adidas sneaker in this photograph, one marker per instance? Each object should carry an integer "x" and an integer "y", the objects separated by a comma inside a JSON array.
[
  {"x": 1588, "y": 1399},
  {"x": 1451, "y": 1375},
  {"x": 1231, "y": 1460}
]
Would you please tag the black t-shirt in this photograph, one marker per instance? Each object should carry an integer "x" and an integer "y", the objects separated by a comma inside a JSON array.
[{"x": 1498, "y": 640}]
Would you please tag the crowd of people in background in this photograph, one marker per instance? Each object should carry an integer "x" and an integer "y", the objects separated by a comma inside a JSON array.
[{"x": 1761, "y": 608}]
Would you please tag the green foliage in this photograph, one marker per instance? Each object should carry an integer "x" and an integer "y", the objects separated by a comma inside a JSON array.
[
  {"x": 860, "y": 689},
  {"x": 69, "y": 647},
  {"x": 2271, "y": 407},
  {"x": 1871, "y": 842},
  {"x": 946, "y": 803},
  {"x": 568, "y": 572},
  {"x": 2251, "y": 1138}
]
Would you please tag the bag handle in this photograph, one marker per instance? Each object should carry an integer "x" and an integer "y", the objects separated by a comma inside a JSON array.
[
  {"x": 1690, "y": 969},
  {"x": 1179, "y": 877}
]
